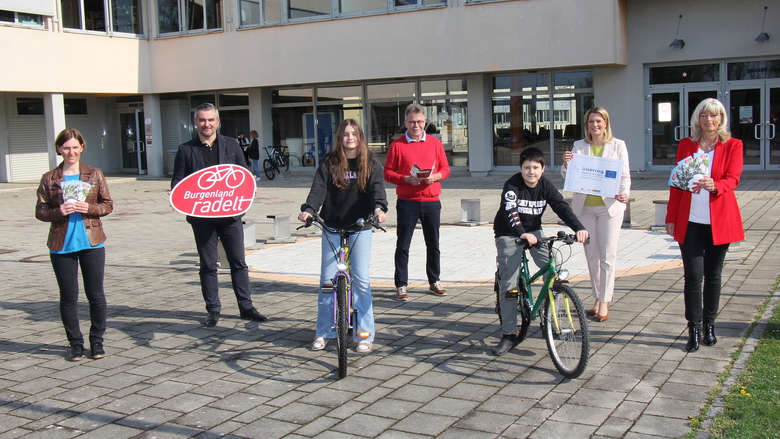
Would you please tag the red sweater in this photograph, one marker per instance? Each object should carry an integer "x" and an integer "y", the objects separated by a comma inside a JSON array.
[
  {"x": 426, "y": 154},
  {"x": 724, "y": 211}
]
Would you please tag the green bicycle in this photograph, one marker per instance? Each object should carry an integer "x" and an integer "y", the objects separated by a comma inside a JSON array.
[{"x": 563, "y": 321}]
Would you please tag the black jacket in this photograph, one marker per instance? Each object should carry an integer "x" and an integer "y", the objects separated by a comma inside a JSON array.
[
  {"x": 189, "y": 157},
  {"x": 521, "y": 207},
  {"x": 342, "y": 207}
]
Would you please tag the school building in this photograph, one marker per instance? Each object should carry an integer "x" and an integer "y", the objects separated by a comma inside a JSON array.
[{"x": 494, "y": 76}]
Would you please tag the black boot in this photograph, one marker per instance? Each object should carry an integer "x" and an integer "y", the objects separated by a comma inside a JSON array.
[
  {"x": 709, "y": 338},
  {"x": 694, "y": 337},
  {"x": 508, "y": 341}
]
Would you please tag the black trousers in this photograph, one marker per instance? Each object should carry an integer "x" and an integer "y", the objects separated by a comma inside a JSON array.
[
  {"x": 429, "y": 214},
  {"x": 702, "y": 261},
  {"x": 231, "y": 232},
  {"x": 66, "y": 269}
]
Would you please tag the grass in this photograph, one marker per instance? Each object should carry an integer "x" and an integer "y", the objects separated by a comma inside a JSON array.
[{"x": 752, "y": 405}]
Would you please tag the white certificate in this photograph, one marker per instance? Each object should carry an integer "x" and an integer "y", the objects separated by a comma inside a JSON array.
[{"x": 591, "y": 175}]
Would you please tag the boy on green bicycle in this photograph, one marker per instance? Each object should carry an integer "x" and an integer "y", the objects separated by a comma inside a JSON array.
[{"x": 523, "y": 200}]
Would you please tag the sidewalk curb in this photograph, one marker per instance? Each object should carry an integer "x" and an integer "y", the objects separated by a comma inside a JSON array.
[{"x": 738, "y": 367}]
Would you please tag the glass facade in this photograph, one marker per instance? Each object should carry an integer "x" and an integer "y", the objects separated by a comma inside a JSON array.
[
  {"x": 525, "y": 114},
  {"x": 126, "y": 16},
  {"x": 683, "y": 74},
  {"x": 306, "y": 119}
]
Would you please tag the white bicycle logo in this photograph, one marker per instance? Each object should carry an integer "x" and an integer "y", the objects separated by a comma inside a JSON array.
[{"x": 232, "y": 176}]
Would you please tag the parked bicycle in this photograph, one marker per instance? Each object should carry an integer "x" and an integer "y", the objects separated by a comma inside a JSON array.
[
  {"x": 278, "y": 161},
  {"x": 563, "y": 321},
  {"x": 344, "y": 315}
]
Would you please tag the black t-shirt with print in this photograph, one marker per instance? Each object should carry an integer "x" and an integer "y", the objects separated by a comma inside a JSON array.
[{"x": 522, "y": 207}]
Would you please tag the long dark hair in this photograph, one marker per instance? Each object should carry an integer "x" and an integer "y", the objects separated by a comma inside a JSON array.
[{"x": 338, "y": 165}]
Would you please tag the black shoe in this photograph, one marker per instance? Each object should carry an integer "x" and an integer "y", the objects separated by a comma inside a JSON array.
[
  {"x": 97, "y": 350},
  {"x": 212, "y": 319},
  {"x": 505, "y": 345},
  {"x": 709, "y": 338},
  {"x": 694, "y": 337},
  {"x": 253, "y": 315},
  {"x": 76, "y": 352}
]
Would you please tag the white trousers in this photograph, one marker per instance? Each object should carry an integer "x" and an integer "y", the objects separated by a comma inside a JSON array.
[{"x": 601, "y": 251}]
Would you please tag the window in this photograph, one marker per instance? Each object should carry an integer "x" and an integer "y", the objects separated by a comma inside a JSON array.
[
  {"x": 188, "y": 15},
  {"x": 753, "y": 70},
  {"x": 446, "y": 110},
  {"x": 92, "y": 15},
  {"x": 21, "y": 18},
  {"x": 29, "y": 106},
  {"x": 75, "y": 106},
  {"x": 525, "y": 114},
  {"x": 266, "y": 12},
  {"x": 684, "y": 74}
]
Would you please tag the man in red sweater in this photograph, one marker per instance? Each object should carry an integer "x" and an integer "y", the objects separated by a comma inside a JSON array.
[{"x": 415, "y": 163}]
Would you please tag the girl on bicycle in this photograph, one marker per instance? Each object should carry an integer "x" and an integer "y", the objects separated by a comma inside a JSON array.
[{"x": 348, "y": 185}]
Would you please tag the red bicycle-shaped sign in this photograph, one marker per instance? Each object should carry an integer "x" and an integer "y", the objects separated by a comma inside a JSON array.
[{"x": 215, "y": 192}]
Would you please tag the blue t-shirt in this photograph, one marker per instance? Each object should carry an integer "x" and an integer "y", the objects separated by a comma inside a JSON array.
[{"x": 76, "y": 237}]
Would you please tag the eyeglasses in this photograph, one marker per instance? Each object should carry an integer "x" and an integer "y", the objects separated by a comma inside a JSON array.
[
  {"x": 709, "y": 115},
  {"x": 416, "y": 122}
]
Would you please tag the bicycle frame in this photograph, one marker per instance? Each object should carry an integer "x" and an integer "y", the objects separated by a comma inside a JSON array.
[
  {"x": 342, "y": 270},
  {"x": 526, "y": 280}
]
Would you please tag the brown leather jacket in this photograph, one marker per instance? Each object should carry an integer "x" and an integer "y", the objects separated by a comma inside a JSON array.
[{"x": 50, "y": 197}]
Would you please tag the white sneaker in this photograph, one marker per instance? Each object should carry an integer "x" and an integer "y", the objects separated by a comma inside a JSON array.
[
  {"x": 364, "y": 346},
  {"x": 319, "y": 344}
]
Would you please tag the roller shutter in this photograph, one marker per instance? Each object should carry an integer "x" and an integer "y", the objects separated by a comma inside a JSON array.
[{"x": 29, "y": 156}]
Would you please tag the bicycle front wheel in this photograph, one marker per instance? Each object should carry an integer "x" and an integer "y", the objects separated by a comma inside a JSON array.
[
  {"x": 566, "y": 331},
  {"x": 342, "y": 325},
  {"x": 269, "y": 169}
]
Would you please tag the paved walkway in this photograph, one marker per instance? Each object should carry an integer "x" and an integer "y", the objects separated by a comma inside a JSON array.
[{"x": 431, "y": 374}]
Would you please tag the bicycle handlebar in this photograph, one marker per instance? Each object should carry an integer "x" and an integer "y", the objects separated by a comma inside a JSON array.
[
  {"x": 372, "y": 221},
  {"x": 562, "y": 236}
]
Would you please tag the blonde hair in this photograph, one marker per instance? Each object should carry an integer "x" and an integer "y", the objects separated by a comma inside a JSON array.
[
  {"x": 710, "y": 105},
  {"x": 601, "y": 111}
]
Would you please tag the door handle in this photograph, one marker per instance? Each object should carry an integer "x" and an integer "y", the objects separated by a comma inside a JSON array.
[
  {"x": 677, "y": 133},
  {"x": 755, "y": 131},
  {"x": 770, "y": 124}
]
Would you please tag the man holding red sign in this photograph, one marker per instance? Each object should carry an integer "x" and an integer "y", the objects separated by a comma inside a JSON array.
[{"x": 205, "y": 150}]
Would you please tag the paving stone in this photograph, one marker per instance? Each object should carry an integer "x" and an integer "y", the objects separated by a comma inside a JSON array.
[
  {"x": 391, "y": 408},
  {"x": 239, "y": 402},
  {"x": 317, "y": 426},
  {"x": 598, "y": 398},
  {"x": 486, "y": 422},
  {"x": 614, "y": 427},
  {"x": 266, "y": 428},
  {"x": 364, "y": 425},
  {"x": 474, "y": 392},
  {"x": 562, "y": 429},
  {"x": 425, "y": 423},
  {"x": 507, "y": 405},
  {"x": 148, "y": 418},
  {"x": 186, "y": 402},
  {"x": 660, "y": 426},
  {"x": 581, "y": 414},
  {"x": 328, "y": 397},
  {"x": 673, "y": 408},
  {"x": 299, "y": 413}
]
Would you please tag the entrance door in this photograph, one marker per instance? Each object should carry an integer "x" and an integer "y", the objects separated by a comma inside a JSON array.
[
  {"x": 772, "y": 114},
  {"x": 131, "y": 126},
  {"x": 670, "y": 113},
  {"x": 745, "y": 123}
]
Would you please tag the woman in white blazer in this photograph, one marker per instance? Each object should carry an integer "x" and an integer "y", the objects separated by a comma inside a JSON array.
[{"x": 601, "y": 216}]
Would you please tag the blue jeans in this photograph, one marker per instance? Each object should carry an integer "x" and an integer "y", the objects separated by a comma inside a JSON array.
[
  {"x": 256, "y": 168},
  {"x": 360, "y": 257}
]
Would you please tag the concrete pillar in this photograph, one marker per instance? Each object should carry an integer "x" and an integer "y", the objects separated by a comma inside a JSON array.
[
  {"x": 155, "y": 157},
  {"x": 260, "y": 115},
  {"x": 54, "y": 113},
  {"x": 5, "y": 155},
  {"x": 480, "y": 125}
]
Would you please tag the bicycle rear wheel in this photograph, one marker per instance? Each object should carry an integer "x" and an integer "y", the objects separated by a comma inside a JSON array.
[
  {"x": 269, "y": 169},
  {"x": 566, "y": 331},
  {"x": 342, "y": 325}
]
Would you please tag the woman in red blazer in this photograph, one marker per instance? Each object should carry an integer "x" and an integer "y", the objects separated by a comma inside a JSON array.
[{"x": 706, "y": 219}]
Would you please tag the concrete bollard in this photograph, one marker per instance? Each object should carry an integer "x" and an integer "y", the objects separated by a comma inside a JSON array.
[
  {"x": 627, "y": 215},
  {"x": 660, "y": 212},
  {"x": 281, "y": 229},
  {"x": 250, "y": 242},
  {"x": 470, "y": 213}
]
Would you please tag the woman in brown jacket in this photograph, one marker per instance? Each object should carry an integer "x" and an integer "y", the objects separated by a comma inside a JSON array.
[{"x": 73, "y": 197}]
